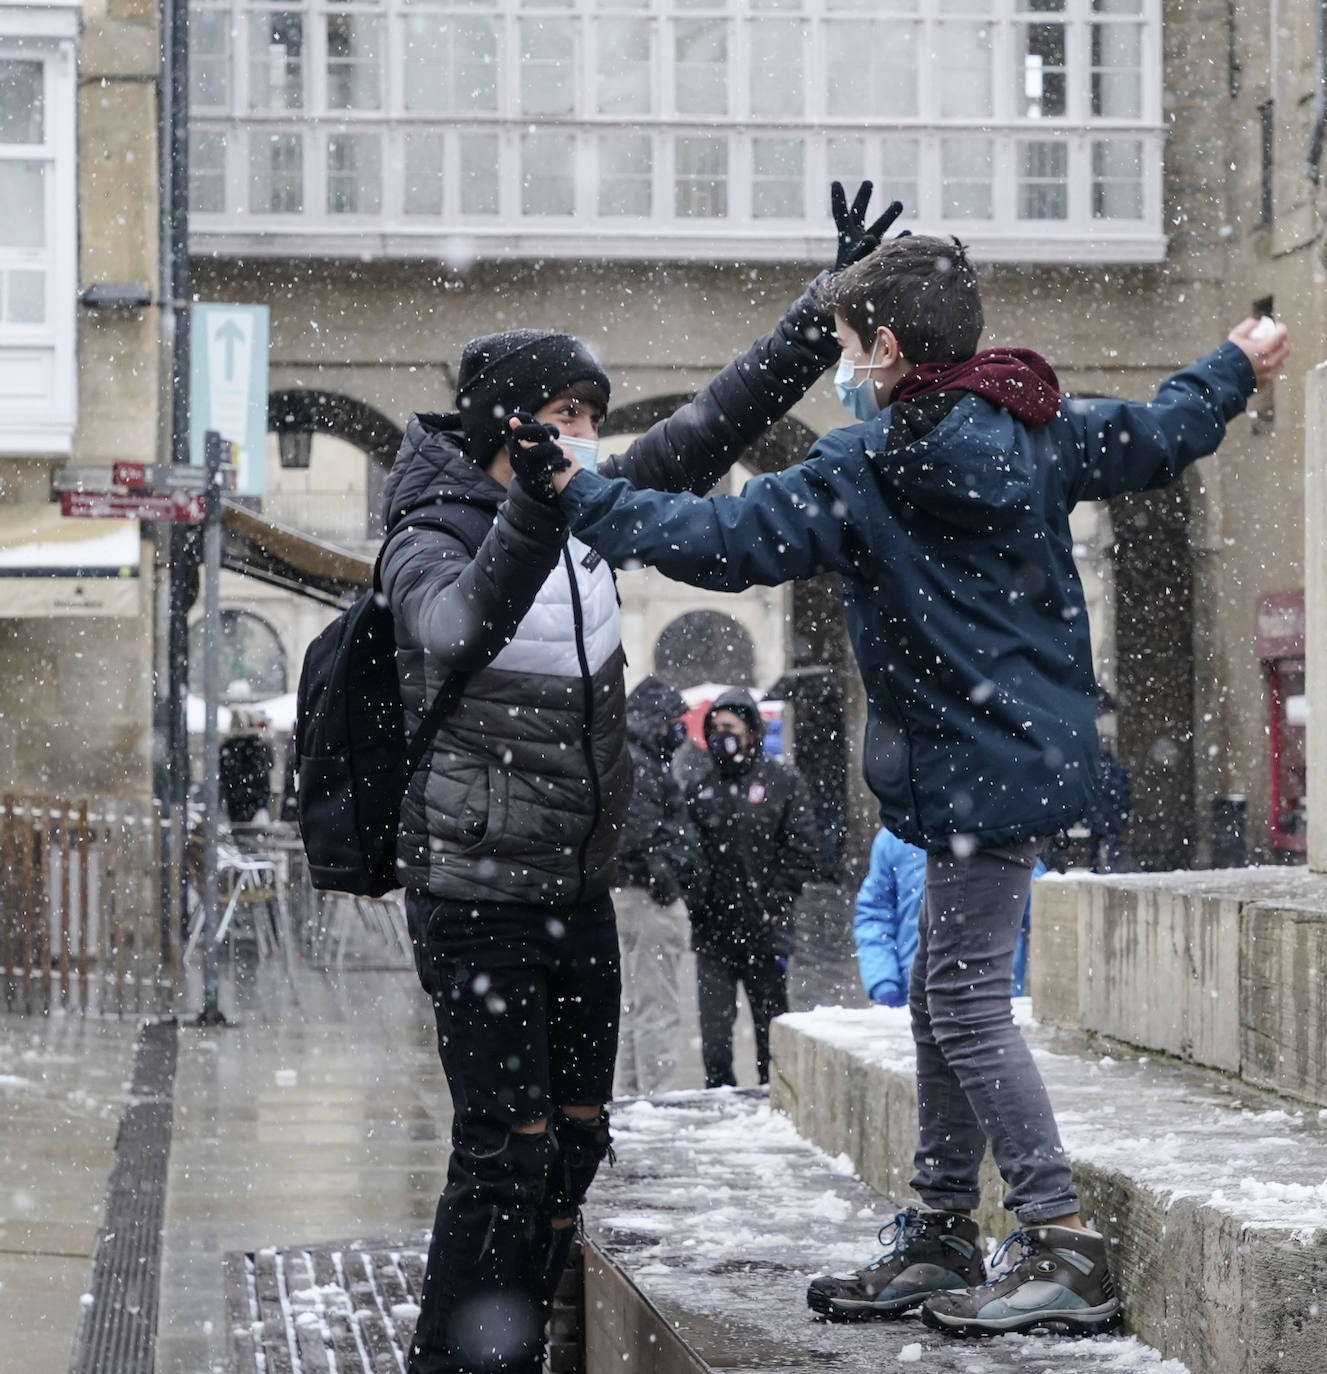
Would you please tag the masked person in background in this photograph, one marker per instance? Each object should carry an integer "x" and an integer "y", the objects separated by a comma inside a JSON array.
[
  {"x": 758, "y": 833},
  {"x": 510, "y": 825},
  {"x": 659, "y": 865}
]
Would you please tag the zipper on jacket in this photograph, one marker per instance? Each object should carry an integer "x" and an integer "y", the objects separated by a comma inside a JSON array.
[{"x": 587, "y": 719}]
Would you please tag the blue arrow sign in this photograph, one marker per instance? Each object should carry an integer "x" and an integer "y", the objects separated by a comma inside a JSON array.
[{"x": 228, "y": 386}]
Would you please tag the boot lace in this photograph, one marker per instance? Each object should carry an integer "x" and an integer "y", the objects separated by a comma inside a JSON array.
[
  {"x": 897, "y": 1234},
  {"x": 1001, "y": 1263}
]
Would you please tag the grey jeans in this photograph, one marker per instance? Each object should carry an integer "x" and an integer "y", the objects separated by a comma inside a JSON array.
[{"x": 976, "y": 1081}]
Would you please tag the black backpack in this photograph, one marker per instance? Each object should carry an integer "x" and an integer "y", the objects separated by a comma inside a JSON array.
[{"x": 354, "y": 761}]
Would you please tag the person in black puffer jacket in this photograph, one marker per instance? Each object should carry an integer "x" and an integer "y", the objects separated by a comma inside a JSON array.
[
  {"x": 758, "y": 833},
  {"x": 659, "y": 866},
  {"x": 510, "y": 824}
]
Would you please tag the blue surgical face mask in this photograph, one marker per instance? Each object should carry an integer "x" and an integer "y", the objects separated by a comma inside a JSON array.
[
  {"x": 857, "y": 398},
  {"x": 586, "y": 451}
]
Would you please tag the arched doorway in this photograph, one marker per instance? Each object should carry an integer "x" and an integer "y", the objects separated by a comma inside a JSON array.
[
  {"x": 332, "y": 459},
  {"x": 705, "y": 646}
]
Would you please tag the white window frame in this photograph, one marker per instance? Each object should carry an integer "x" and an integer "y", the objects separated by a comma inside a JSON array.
[
  {"x": 1079, "y": 237},
  {"x": 38, "y": 363}
]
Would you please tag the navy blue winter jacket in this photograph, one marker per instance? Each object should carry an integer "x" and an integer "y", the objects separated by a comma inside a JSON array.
[{"x": 964, "y": 607}]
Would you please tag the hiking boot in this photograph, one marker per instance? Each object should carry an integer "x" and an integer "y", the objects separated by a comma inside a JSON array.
[
  {"x": 1060, "y": 1281},
  {"x": 925, "y": 1253}
]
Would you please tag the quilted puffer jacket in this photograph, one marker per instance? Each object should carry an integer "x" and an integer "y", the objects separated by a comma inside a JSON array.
[{"x": 524, "y": 794}]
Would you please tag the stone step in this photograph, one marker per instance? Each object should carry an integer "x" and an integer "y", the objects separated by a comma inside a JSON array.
[
  {"x": 1212, "y": 1193},
  {"x": 1226, "y": 968},
  {"x": 703, "y": 1236}
]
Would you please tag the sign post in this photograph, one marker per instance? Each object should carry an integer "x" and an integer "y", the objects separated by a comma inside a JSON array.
[{"x": 214, "y": 450}]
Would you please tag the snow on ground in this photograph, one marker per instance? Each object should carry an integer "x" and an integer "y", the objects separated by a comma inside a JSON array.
[
  {"x": 720, "y": 1213},
  {"x": 1179, "y": 1131}
]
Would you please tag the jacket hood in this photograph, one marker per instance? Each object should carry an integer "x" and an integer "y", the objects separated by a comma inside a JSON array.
[
  {"x": 431, "y": 466},
  {"x": 741, "y": 703},
  {"x": 1017, "y": 378},
  {"x": 652, "y": 703},
  {"x": 971, "y": 470}
]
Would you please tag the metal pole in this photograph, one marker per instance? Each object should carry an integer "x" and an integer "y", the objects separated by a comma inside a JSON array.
[
  {"x": 174, "y": 557},
  {"x": 211, "y": 1014}
]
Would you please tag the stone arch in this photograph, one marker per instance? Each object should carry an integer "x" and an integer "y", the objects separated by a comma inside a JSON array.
[
  {"x": 705, "y": 646},
  {"x": 329, "y": 412}
]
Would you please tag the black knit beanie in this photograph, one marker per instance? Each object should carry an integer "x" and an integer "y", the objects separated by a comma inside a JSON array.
[{"x": 518, "y": 369}]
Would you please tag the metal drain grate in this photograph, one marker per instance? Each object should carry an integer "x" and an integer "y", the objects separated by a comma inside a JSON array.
[
  {"x": 117, "y": 1330},
  {"x": 351, "y": 1307}
]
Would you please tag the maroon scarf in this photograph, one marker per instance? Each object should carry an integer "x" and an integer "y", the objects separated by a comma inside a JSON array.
[{"x": 1018, "y": 379}]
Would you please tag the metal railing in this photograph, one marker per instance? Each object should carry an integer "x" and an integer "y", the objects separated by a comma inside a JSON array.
[{"x": 80, "y": 922}]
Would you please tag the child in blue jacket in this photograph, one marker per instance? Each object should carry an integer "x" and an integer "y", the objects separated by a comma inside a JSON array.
[
  {"x": 944, "y": 510},
  {"x": 884, "y": 922}
]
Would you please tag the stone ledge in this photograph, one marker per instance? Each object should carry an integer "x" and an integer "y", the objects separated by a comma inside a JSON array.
[
  {"x": 1217, "y": 1210},
  {"x": 1224, "y": 968}
]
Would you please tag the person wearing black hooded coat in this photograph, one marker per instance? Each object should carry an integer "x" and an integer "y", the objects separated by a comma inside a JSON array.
[
  {"x": 659, "y": 865},
  {"x": 757, "y": 828}
]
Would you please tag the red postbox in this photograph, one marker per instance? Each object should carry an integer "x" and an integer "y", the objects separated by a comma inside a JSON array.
[{"x": 1279, "y": 642}]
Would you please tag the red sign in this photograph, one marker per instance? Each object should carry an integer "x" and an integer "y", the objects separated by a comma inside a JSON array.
[
  {"x": 129, "y": 475},
  {"x": 186, "y": 506},
  {"x": 1279, "y": 625}
]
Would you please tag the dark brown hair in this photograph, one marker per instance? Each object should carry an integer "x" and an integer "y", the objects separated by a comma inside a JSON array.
[{"x": 924, "y": 289}]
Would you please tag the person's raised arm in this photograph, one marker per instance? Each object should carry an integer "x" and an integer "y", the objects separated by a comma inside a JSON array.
[
  {"x": 1138, "y": 445},
  {"x": 697, "y": 444},
  {"x": 465, "y": 609},
  {"x": 784, "y": 527}
]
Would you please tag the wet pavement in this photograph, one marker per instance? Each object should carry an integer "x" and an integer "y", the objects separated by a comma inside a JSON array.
[{"x": 317, "y": 1113}]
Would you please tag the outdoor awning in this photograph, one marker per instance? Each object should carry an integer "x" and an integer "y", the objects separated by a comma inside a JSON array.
[
  {"x": 285, "y": 557},
  {"x": 57, "y": 566}
]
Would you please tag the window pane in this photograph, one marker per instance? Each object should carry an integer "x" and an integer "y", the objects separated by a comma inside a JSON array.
[
  {"x": 900, "y": 174},
  {"x": 964, "y": 6},
  {"x": 479, "y": 174},
  {"x": 276, "y": 174},
  {"x": 21, "y": 102},
  {"x": 626, "y": 174},
  {"x": 1041, "y": 75},
  {"x": 548, "y": 66},
  {"x": 777, "y": 70},
  {"x": 352, "y": 62},
  {"x": 1043, "y": 188},
  {"x": 700, "y": 75},
  {"x": 624, "y": 66},
  {"x": 548, "y": 166},
  {"x": 1118, "y": 6},
  {"x": 422, "y": 193},
  {"x": 700, "y": 178},
  {"x": 207, "y": 172},
  {"x": 276, "y": 61},
  {"x": 965, "y": 178},
  {"x": 23, "y": 194},
  {"x": 965, "y": 57},
  {"x": 845, "y": 160},
  {"x": 778, "y": 184},
  {"x": 884, "y": 57},
  {"x": 451, "y": 64},
  {"x": 25, "y": 297},
  {"x": 209, "y": 59},
  {"x": 1117, "y": 178},
  {"x": 1117, "y": 78},
  {"x": 354, "y": 174}
]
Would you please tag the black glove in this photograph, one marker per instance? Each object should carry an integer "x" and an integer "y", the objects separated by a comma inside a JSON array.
[
  {"x": 534, "y": 466},
  {"x": 855, "y": 239}
]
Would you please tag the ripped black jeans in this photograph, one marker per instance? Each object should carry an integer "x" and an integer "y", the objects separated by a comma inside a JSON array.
[{"x": 526, "y": 1001}]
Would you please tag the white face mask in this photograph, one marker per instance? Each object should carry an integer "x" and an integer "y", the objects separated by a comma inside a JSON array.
[
  {"x": 857, "y": 398},
  {"x": 585, "y": 451}
]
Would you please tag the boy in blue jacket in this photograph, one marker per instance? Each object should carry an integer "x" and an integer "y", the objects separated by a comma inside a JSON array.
[
  {"x": 884, "y": 925},
  {"x": 945, "y": 512}
]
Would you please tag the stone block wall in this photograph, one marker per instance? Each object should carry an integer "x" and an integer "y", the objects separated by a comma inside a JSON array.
[{"x": 1224, "y": 969}]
